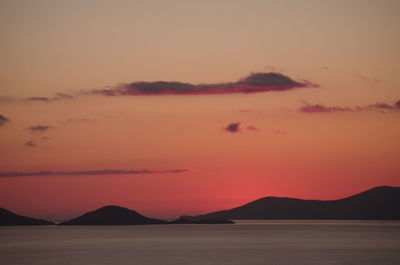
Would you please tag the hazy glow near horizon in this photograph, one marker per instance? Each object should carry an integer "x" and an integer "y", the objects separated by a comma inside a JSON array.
[{"x": 237, "y": 146}]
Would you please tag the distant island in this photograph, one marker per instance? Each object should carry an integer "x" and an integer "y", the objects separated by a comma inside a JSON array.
[
  {"x": 113, "y": 215},
  {"x": 8, "y": 218},
  {"x": 379, "y": 203}
]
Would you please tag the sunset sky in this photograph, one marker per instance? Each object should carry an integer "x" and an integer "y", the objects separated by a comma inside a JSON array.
[{"x": 257, "y": 98}]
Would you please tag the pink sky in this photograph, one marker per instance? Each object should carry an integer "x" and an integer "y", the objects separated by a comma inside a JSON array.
[{"x": 330, "y": 133}]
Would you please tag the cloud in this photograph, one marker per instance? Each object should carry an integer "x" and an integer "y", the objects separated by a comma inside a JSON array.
[
  {"x": 253, "y": 128},
  {"x": 254, "y": 83},
  {"x": 4, "y": 120},
  {"x": 39, "y": 99},
  {"x": 233, "y": 127},
  {"x": 35, "y": 143},
  {"x": 362, "y": 77},
  {"x": 88, "y": 172},
  {"x": 38, "y": 128},
  {"x": 382, "y": 106},
  {"x": 56, "y": 97},
  {"x": 318, "y": 108},
  {"x": 79, "y": 120},
  {"x": 31, "y": 143}
]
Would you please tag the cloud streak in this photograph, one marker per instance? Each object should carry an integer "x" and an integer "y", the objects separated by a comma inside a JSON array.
[
  {"x": 253, "y": 83},
  {"x": 31, "y": 143},
  {"x": 56, "y": 97},
  {"x": 4, "y": 120},
  {"x": 38, "y": 129},
  {"x": 319, "y": 108},
  {"x": 88, "y": 172}
]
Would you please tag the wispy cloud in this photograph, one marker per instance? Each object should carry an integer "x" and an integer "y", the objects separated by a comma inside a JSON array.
[
  {"x": 319, "y": 108},
  {"x": 368, "y": 79},
  {"x": 35, "y": 142},
  {"x": 78, "y": 120},
  {"x": 31, "y": 143},
  {"x": 56, "y": 97},
  {"x": 255, "y": 82},
  {"x": 253, "y": 128},
  {"x": 89, "y": 172},
  {"x": 38, "y": 128},
  {"x": 4, "y": 120}
]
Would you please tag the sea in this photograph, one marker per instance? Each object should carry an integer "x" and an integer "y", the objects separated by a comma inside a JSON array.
[{"x": 278, "y": 242}]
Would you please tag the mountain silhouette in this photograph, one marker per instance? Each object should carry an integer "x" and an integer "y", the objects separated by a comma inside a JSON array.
[
  {"x": 112, "y": 215},
  {"x": 379, "y": 203},
  {"x": 8, "y": 218}
]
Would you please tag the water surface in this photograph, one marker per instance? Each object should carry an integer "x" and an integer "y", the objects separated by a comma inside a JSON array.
[{"x": 247, "y": 243}]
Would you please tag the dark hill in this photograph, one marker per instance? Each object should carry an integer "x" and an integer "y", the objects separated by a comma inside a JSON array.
[
  {"x": 8, "y": 218},
  {"x": 379, "y": 203},
  {"x": 113, "y": 215}
]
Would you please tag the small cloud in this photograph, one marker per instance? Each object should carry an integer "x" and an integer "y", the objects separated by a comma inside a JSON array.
[
  {"x": 318, "y": 108},
  {"x": 4, "y": 120},
  {"x": 253, "y": 128},
  {"x": 362, "y": 77},
  {"x": 79, "y": 120},
  {"x": 233, "y": 127},
  {"x": 38, "y": 129},
  {"x": 89, "y": 172},
  {"x": 56, "y": 97},
  {"x": 31, "y": 143},
  {"x": 38, "y": 99}
]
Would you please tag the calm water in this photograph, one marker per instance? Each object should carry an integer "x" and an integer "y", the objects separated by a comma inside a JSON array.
[{"x": 246, "y": 243}]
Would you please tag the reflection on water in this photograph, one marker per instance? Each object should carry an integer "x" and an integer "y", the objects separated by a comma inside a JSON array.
[{"x": 277, "y": 242}]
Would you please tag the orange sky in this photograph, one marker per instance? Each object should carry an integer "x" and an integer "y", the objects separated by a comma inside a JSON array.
[{"x": 350, "y": 50}]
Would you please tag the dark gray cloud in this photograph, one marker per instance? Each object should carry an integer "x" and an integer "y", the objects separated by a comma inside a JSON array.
[
  {"x": 88, "y": 172},
  {"x": 255, "y": 82},
  {"x": 4, "y": 120},
  {"x": 233, "y": 127},
  {"x": 31, "y": 143},
  {"x": 38, "y": 129}
]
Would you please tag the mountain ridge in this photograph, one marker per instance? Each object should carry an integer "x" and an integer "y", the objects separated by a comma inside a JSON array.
[
  {"x": 8, "y": 218},
  {"x": 381, "y": 202}
]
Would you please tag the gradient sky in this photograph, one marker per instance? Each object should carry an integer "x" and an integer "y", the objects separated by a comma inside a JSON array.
[{"x": 322, "y": 141}]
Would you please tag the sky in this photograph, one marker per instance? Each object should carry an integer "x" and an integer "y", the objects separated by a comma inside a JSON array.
[{"x": 185, "y": 107}]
